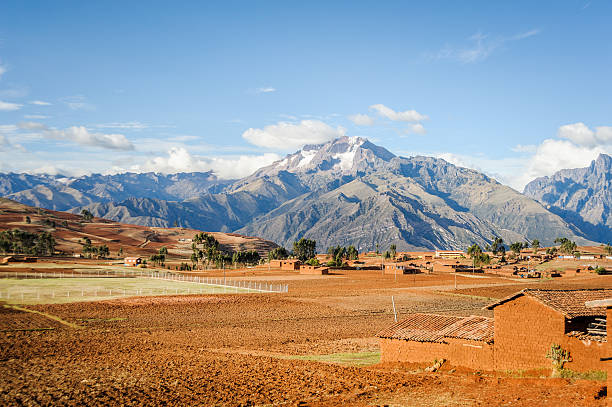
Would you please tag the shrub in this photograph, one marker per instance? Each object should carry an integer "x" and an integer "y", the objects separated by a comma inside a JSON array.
[{"x": 559, "y": 357}]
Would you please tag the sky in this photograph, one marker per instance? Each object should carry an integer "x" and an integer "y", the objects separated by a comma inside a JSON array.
[{"x": 514, "y": 89}]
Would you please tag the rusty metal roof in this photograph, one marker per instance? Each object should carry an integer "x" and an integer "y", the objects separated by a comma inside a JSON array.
[
  {"x": 434, "y": 328},
  {"x": 570, "y": 303}
]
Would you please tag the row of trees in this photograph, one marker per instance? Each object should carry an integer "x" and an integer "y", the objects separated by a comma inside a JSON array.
[
  {"x": 90, "y": 250},
  {"x": 340, "y": 254},
  {"x": 22, "y": 242},
  {"x": 206, "y": 249}
]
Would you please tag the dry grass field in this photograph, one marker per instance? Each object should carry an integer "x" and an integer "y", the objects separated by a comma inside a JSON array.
[{"x": 314, "y": 345}]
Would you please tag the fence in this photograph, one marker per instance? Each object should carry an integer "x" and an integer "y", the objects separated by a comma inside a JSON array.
[
  {"x": 31, "y": 292},
  {"x": 256, "y": 286}
]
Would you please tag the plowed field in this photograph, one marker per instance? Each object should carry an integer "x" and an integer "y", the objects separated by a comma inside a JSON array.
[{"x": 313, "y": 346}]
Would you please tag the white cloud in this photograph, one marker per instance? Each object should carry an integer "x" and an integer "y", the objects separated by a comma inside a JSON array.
[
  {"x": 226, "y": 167},
  {"x": 528, "y": 148},
  {"x": 3, "y": 141},
  {"x": 124, "y": 126},
  {"x": 554, "y": 155},
  {"x": 35, "y": 116},
  {"x": 8, "y": 128},
  {"x": 82, "y": 136},
  {"x": 7, "y": 107},
  {"x": 406, "y": 116},
  {"x": 266, "y": 90},
  {"x": 40, "y": 103},
  {"x": 361, "y": 119},
  {"x": 480, "y": 48},
  {"x": 581, "y": 135},
  {"x": 2, "y": 70},
  {"x": 77, "y": 102},
  {"x": 290, "y": 136},
  {"x": 418, "y": 128}
]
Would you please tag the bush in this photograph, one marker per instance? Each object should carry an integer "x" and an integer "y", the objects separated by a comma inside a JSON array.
[{"x": 312, "y": 262}]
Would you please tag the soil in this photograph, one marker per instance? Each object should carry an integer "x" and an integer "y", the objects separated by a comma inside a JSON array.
[{"x": 242, "y": 349}]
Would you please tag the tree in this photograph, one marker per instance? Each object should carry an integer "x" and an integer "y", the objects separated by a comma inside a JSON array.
[
  {"x": 565, "y": 245},
  {"x": 536, "y": 245},
  {"x": 120, "y": 252},
  {"x": 87, "y": 216},
  {"x": 28, "y": 220},
  {"x": 304, "y": 249},
  {"x": 516, "y": 247},
  {"x": 498, "y": 246},
  {"x": 278, "y": 253},
  {"x": 608, "y": 249},
  {"x": 393, "y": 250},
  {"x": 163, "y": 250},
  {"x": 352, "y": 253},
  {"x": 474, "y": 251}
]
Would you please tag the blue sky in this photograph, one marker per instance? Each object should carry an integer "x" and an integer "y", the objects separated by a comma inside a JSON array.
[{"x": 515, "y": 89}]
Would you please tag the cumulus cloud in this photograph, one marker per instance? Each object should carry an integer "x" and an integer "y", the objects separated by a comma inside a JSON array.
[
  {"x": 290, "y": 136},
  {"x": 40, "y": 103},
  {"x": 580, "y": 134},
  {"x": 361, "y": 119},
  {"x": 417, "y": 128},
  {"x": 226, "y": 167},
  {"x": 405, "y": 116},
  {"x": 7, "y": 107},
  {"x": 554, "y": 155},
  {"x": 82, "y": 136}
]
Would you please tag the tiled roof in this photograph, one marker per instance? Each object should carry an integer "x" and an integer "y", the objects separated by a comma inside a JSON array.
[
  {"x": 570, "y": 303},
  {"x": 434, "y": 328},
  {"x": 474, "y": 328}
]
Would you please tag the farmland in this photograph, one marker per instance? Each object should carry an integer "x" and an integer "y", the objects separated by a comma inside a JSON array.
[{"x": 314, "y": 345}]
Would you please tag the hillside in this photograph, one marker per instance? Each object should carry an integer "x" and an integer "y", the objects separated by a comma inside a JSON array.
[
  {"x": 350, "y": 191},
  {"x": 582, "y": 196},
  {"x": 68, "y": 229}
]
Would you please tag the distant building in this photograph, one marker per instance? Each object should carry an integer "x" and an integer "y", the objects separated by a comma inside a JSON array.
[
  {"x": 286, "y": 264},
  {"x": 401, "y": 268},
  {"x": 449, "y": 254},
  {"x": 132, "y": 261},
  {"x": 308, "y": 269}
]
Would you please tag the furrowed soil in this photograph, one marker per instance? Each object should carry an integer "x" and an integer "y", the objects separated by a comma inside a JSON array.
[{"x": 312, "y": 346}]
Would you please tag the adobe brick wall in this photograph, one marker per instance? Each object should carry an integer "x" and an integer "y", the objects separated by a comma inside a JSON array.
[
  {"x": 524, "y": 331},
  {"x": 472, "y": 354},
  {"x": 396, "y": 350},
  {"x": 458, "y": 352}
]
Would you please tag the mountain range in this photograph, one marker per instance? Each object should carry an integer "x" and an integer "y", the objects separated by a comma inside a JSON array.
[
  {"x": 582, "y": 196},
  {"x": 347, "y": 191}
]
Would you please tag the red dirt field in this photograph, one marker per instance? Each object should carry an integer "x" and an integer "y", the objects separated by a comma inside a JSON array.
[{"x": 244, "y": 349}]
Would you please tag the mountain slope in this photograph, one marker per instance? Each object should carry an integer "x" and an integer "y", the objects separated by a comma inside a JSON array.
[
  {"x": 350, "y": 191},
  {"x": 582, "y": 196},
  {"x": 63, "y": 193}
]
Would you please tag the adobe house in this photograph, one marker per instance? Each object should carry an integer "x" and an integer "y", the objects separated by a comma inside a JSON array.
[
  {"x": 607, "y": 356},
  {"x": 401, "y": 268},
  {"x": 308, "y": 269},
  {"x": 524, "y": 327},
  {"x": 530, "y": 321},
  {"x": 286, "y": 264},
  {"x": 421, "y": 338}
]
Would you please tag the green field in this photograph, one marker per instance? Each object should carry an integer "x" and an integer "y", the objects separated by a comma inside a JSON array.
[{"x": 63, "y": 290}]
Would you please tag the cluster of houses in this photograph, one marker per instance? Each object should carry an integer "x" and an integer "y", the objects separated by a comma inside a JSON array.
[
  {"x": 518, "y": 337},
  {"x": 296, "y": 265}
]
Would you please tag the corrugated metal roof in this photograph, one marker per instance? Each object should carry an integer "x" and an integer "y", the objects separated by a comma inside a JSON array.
[
  {"x": 570, "y": 303},
  {"x": 434, "y": 328}
]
